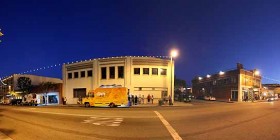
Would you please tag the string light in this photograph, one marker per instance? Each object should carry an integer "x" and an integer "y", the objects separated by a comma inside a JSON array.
[{"x": 60, "y": 64}]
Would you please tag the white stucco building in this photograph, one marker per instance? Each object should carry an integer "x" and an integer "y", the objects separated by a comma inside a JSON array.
[{"x": 141, "y": 75}]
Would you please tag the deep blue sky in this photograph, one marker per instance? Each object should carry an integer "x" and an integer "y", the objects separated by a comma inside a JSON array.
[{"x": 212, "y": 35}]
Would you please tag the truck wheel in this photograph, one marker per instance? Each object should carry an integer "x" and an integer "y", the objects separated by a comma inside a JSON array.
[{"x": 87, "y": 105}]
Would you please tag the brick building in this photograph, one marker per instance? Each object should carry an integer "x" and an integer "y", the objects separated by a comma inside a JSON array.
[{"x": 237, "y": 84}]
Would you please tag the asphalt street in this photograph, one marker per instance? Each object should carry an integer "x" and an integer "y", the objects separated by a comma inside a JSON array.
[{"x": 202, "y": 120}]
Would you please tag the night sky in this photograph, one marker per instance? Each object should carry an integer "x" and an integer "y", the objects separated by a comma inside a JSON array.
[{"x": 211, "y": 35}]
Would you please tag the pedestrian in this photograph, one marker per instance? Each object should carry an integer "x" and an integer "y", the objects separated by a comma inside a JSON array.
[
  {"x": 65, "y": 100},
  {"x": 132, "y": 99},
  {"x": 139, "y": 99},
  {"x": 136, "y": 99},
  {"x": 143, "y": 98},
  {"x": 152, "y": 98},
  {"x": 80, "y": 100},
  {"x": 148, "y": 98},
  {"x": 170, "y": 100}
]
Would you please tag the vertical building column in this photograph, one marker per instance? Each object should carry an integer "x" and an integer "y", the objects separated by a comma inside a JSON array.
[
  {"x": 240, "y": 78},
  {"x": 64, "y": 87},
  {"x": 95, "y": 76},
  {"x": 128, "y": 70}
]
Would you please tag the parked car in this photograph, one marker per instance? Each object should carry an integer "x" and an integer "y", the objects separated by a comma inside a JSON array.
[
  {"x": 209, "y": 98},
  {"x": 272, "y": 98},
  {"x": 16, "y": 102}
]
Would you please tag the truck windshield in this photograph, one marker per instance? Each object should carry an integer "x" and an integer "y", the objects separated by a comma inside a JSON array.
[{"x": 90, "y": 94}]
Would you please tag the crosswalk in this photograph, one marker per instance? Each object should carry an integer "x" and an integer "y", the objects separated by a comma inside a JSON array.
[{"x": 104, "y": 121}]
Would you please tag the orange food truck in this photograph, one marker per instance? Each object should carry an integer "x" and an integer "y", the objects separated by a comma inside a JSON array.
[{"x": 107, "y": 96}]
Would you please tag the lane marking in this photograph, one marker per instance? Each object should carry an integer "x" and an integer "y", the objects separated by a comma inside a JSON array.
[
  {"x": 4, "y": 137},
  {"x": 170, "y": 129},
  {"x": 104, "y": 121}
]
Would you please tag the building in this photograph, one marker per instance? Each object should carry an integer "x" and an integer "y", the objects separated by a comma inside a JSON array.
[
  {"x": 270, "y": 90},
  {"x": 141, "y": 75},
  {"x": 9, "y": 89},
  {"x": 237, "y": 85}
]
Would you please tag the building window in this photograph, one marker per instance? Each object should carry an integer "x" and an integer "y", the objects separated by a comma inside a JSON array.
[
  {"x": 69, "y": 75},
  {"x": 120, "y": 71},
  {"x": 137, "y": 71},
  {"x": 112, "y": 72},
  {"x": 233, "y": 80},
  {"x": 146, "y": 71},
  {"x": 89, "y": 73},
  {"x": 79, "y": 92},
  {"x": 163, "y": 71},
  {"x": 83, "y": 74},
  {"x": 76, "y": 74},
  {"x": 214, "y": 82},
  {"x": 155, "y": 71},
  {"x": 103, "y": 73}
]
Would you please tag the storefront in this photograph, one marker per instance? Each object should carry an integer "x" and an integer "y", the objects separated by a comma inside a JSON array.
[{"x": 51, "y": 98}]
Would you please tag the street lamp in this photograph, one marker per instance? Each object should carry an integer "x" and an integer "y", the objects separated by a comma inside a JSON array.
[
  {"x": 255, "y": 73},
  {"x": 173, "y": 54}
]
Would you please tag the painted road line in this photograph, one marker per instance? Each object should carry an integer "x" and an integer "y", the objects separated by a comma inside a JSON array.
[
  {"x": 4, "y": 137},
  {"x": 171, "y": 130},
  {"x": 103, "y": 121}
]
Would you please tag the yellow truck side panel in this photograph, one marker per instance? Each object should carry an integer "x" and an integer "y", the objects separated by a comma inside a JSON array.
[{"x": 103, "y": 97}]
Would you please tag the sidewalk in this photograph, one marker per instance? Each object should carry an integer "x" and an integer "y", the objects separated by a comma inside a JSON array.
[{"x": 175, "y": 104}]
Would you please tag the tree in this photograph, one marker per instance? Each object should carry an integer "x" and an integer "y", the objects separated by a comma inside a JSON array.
[
  {"x": 45, "y": 87},
  {"x": 24, "y": 85},
  {"x": 180, "y": 83},
  {"x": 179, "y": 86}
]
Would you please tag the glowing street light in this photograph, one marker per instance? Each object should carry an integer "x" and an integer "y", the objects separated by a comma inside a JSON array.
[
  {"x": 257, "y": 72},
  {"x": 173, "y": 53},
  {"x": 1, "y": 34},
  {"x": 208, "y": 76},
  {"x": 222, "y": 73}
]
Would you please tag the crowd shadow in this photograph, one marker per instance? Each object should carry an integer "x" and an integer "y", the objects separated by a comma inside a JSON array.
[{"x": 6, "y": 131}]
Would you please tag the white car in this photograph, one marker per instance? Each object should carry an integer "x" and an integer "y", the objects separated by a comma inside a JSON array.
[
  {"x": 272, "y": 98},
  {"x": 209, "y": 98}
]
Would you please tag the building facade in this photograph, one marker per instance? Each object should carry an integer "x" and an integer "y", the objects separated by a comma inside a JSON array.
[
  {"x": 9, "y": 89},
  {"x": 141, "y": 75},
  {"x": 237, "y": 85},
  {"x": 270, "y": 90}
]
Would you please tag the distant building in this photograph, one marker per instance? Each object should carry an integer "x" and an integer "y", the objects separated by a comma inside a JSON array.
[
  {"x": 9, "y": 89},
  {"x": 237, "y": 84},
  {"x": 270, "y": 90},
  {"x": 141, "y": 75}
]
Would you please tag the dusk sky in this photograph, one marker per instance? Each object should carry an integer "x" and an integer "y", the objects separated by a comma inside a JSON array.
[{"x": 211, "y": 35}]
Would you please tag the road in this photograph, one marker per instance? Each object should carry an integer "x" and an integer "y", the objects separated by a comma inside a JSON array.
[{"x": 203, "y": 120}]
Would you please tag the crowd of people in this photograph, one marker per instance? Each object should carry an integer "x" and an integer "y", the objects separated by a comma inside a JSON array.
[{"x": 134, "y": 99}]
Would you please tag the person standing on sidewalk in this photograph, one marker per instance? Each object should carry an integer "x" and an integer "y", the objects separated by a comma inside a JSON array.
[
  {"x": 148, "y": 98},
  {"x": 132, "y": 99},
  {"x": 152, "y": 99},
  {"x": 65, "y": 100},
  {"x": 136, "y": 99}
]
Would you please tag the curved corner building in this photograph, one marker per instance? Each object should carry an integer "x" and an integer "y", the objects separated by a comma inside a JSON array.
[{"x": 141, "y": 75}]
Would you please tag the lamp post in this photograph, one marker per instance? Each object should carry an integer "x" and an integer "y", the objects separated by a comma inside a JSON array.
[{"x": 174, "y": 54}]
